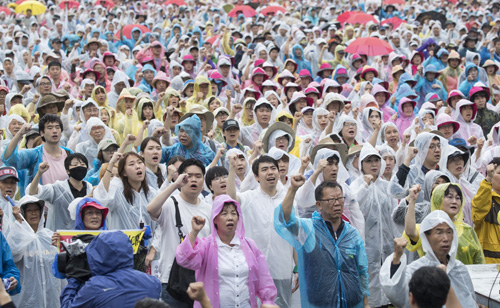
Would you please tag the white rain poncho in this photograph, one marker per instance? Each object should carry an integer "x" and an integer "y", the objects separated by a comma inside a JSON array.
[
  {"x": 416, "y": 175},
  {"x": 326, "y": 266},
  {"x": 278, "y": 134},
  {"x": 339, "y": 125},
  {"x": 89, "y": 148},
  {"x": 469, "y": 182},
  {"x": 376, "y": 206},
  {"x": 250, "y": 134},
  {"x": 4, "y": 143},
  {"x": 367, "y": 129},
  {"x": 306, "y": 200},
  {"x": 57, "y": 197},
  {"x": 396, "y": 287},
  {"x": 34, "y": 254},
  {"x": 402, "y": 148},
  {"x": 317, "y": 128},
  {"x": 113, "y": 95},
  {"x": 123, "y": 215},
  {"x": 153, "y": 178},
  {"x": 249, "y": 182},
  {"x": 293, "y": 163}
]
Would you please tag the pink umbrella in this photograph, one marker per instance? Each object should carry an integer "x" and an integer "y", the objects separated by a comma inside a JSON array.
[
  {"x": 344, "y": 16},
  {"x": 361, "y": 18},
  {"x": 370, "y": 46},
  {"x": 395, "y": 21},
  {"x": 246, "y": 10}
]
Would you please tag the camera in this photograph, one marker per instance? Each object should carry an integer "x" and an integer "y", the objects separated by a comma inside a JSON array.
[{"x": 73, "y": 262}]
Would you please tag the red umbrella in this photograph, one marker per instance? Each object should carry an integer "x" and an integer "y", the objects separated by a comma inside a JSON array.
[
  {"x": 245, "y": 9},
  {"x": 395, "y": 21},
  {"x": 361, "y": 18},
  {"x": 70, "y": 3},
  {"x": 106, "y": 3},
  {"x": 272, "y": 10},
  {"x": 6, "y": 10},
  {"x": 127, "y": 30},
  {"x": 344, "y": 16},
  {"x": 212, "y": 39},
  {"x": 175, "y": 2},
  {"x": 370, "y": 46},
  {"x": 387, "y": 2}
]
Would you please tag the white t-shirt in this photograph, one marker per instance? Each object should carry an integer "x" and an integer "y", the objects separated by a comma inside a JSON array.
[{"x": 170, "y": 237}]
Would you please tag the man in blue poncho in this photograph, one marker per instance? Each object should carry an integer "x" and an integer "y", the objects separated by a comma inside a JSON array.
[
  {"x": 332, "y": 261},
  {"x": 8, "y": 269},
  {"x": 190, "y": 144}
]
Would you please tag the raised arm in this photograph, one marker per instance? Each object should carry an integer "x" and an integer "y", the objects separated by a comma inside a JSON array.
[
  {"x": 231, "y": 178},
  {"x": 42, "y": 168},
  {"x": 197, "y": 224},
  {"x": 106, "y": 179},
  {"x": 287, "y": 204},
  {"x": 16, "y": 140},
  {"x": 154, "y": 207},
  {"x": 410, "y": 222}
]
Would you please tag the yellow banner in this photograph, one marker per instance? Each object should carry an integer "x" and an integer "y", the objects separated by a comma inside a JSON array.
[{"x": 65, "y": 236}]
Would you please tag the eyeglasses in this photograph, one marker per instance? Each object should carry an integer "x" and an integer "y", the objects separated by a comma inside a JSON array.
[
  {"x": 349, "y": 124},
  {"x": 434, "y": 146},
  {"x": 45, "y": 84},
  {"x": 220, "y": 178},
  {"x": 332, "y": 201}
]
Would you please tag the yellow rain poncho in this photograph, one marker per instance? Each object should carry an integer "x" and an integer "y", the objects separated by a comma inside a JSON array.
[
  {"x": 469, "y": 249},
  {"x": 197, "y": 82},
  {"x": 94, "y": 96},
  {"x": 124, "y": 122},
  {"x": 296, "y": 149}
]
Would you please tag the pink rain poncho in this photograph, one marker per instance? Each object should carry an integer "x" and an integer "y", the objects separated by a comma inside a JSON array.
[
  {"x": 203, "y": 259},
  {"x": 467, "y": 129}
]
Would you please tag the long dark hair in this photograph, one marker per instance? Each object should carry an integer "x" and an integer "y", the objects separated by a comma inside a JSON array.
[
  {"x": 128, "y": 191},
  {"x": 144, "y": 144}
]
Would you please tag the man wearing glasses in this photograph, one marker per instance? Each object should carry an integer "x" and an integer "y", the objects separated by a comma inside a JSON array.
[{"x": 332, "y": 261}]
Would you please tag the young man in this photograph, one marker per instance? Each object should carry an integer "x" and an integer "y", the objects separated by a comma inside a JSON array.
[
  {"x": 330, "y": 240},
  {"x": 61, "y": 193},
  {"x": 216, "y": 181},
  {"x": 54, "y": 71},
  {"x": 262, "y": 113},
  {"x": 50, "y": 151},
  {"x": 257, "y": 208},
  {"x": 190, "y": 203}
]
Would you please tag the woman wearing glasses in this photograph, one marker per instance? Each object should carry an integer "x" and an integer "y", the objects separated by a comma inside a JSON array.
[
  {"x": 449, "y": 198},
  {"x": 376, "y": 205}
]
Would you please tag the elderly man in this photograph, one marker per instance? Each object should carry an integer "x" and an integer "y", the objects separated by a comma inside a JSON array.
[
  {"x": 440, "y": 242},
  {"x": 332, "y": 261}
]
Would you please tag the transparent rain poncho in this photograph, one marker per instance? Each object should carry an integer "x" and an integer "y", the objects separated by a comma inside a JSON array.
[
  {"x": 326, "y": 266},
  {"x": 376, "y": 206},
  {"x": 469, "y": 249},
  {"x": 123, "y": 215},
  {"x": 306, "y": 201},
  {"x": 57, "y": 197},
  {"x": 416, "y": 174},
  {"x": 34, "y": 254},
  {"x": 396, "y": 287}
]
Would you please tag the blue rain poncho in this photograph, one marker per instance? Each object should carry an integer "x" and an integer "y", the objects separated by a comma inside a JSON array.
[
  {"x": 192, "y": 126},
  {"x": 329, "y": 271},
  {"x": 7, "y": 267},
  {"x": 424, "y": 86}
]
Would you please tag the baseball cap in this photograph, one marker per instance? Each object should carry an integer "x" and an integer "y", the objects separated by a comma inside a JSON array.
[
  {"x": 7, "y": 172},
  {"x": 230, "y": 123},
  {"x": 106, "y": 143}
]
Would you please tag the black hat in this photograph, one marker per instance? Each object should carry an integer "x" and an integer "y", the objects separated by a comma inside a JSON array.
[{"x": 230, "y": 123}]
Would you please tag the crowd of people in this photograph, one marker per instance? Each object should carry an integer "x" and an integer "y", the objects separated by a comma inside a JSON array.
[{"x": 347, "y": 151}]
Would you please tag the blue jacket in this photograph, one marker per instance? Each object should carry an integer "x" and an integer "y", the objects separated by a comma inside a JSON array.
[
  {"x": 8, "y": 268},
  {"x": 114, "y": 281},
  {"x": 28, "y": 159}
]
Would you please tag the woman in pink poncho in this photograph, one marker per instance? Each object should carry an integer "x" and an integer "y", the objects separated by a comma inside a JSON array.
[
  {"x": 243, "y": 274},
  {"x": 405, "y": 115}
]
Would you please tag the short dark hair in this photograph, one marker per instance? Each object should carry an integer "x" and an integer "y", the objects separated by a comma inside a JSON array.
[
  {"x": 213, "y": 173},
  {"x": 495, "y": 161},
  {"x": 70, "y": 157},
  {"x": 175, "y": 159},
  {"x": 456, "y": 188},
  {"x": 49, "y": 118},
  {"x": 267, "y": 106},
  {"x": 263, "y": 159},
  {"x": 318, "y": 192},
  {"x": 54, "y": 63},
  {"x": 191, "y": 162},
  {"x": 429, "y": 286}
]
